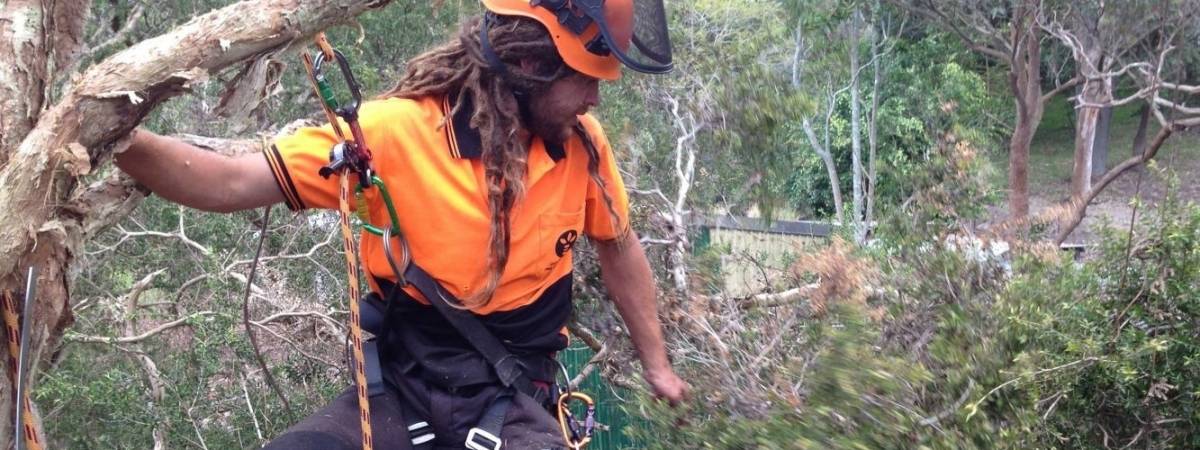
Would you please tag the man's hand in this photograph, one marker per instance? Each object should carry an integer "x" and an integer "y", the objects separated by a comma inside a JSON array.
[{"x": 667, "y": 386}]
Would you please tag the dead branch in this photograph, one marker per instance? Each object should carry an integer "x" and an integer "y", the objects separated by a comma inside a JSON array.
[
  {"x": 1184, "y": 88},
  {"x": 768, "y": 300},
  {"x": 297, "y": 347},
  {"x": 72, "y": 337},
  {"x": 131, "y": 299},
  {"x": 337, "y": 327},
  {"x": 597, "y": 359},
  {"x": 584, "y": 334}
]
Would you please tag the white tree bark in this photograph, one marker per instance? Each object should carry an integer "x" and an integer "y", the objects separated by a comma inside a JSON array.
[
  {"x": 822, "y": 151},
  {"x": 877, "y": 43},
  {"x": 685, "y": 173},
  {"x": 44, "y": 213},
  {"x": 856, "y": 219}
]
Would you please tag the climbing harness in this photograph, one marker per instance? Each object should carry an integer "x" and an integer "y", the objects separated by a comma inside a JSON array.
[
  {"x": 352, "y": 157},
  {"x": 18, "y": 353},
  {"x": 576, "y": 433}
]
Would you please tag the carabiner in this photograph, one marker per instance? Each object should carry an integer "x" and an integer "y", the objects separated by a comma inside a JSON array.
[
  {"x": 576, "y": 438},
  {"x": 349, "y": 113}
]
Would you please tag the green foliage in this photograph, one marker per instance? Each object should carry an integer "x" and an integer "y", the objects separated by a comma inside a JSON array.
[
  {"x": 926, "y": 92},
  {"x": 1127, "y": 320}
]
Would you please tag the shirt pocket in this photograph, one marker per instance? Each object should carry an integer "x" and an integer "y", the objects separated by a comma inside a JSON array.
[{"x": 557, "y": 234}]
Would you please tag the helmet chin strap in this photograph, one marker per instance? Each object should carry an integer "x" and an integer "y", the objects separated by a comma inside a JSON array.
[{"x": 498, "y": 67}]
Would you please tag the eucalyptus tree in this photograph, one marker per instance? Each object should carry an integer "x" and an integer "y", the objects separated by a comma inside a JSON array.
[
  {"x": 1008, "y": 32},
  {"x": 52, "y": 139}
]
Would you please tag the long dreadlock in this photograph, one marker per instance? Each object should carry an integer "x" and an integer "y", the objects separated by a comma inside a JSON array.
[{"x": 459, "y": 68}]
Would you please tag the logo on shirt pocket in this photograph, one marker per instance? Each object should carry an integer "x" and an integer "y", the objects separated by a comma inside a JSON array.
[
  {"x": 565, "y": 242},
  {"x": 558, "y": 233}
]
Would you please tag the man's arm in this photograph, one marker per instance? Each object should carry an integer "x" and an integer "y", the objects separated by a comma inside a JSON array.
[
  {"x": 191, "y": 176},
  {"x": 629, "y": 281}
]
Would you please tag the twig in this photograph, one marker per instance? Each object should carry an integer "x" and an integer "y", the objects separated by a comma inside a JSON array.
[
  {"x": 250, "y": 405},
  {"x": 262, "y": 363},
  {"x": 589, "y": 367},
  {"x": 936, "y": 418},
  {"x": 974, "y": 407},
  {"x": 196, "y": 428}
]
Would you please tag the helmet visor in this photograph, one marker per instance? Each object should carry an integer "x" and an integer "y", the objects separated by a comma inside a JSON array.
[{"x": 640, "y": 40}]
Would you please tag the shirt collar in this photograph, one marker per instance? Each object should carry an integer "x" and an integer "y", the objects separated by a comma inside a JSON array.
[{"x": 465, "y": 141}]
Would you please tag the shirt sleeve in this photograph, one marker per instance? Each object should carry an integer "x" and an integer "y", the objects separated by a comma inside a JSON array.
[
  {"x": 601, "y": 222},
  {"x": 297, "y": 158}
]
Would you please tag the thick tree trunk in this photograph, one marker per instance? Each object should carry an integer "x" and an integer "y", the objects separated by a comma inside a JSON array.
[
  {"x": 1096, "y": 90},
  {"x": 44, "y": 215},
  {"x": 1086, "y": 120},
  {"x": 1025, "y": 80},
  {"x": 37, "y": 39}
]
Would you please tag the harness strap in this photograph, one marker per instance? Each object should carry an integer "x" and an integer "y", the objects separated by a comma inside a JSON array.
[
  {"x": 486, "y": 435},
  {"x": 509, "y": 369},
  {"x": 373, "y": 317}
]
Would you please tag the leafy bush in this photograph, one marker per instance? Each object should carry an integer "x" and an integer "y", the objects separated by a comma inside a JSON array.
[
  {"x": 947, "y": 341},
  {"x": 1126, "y": 324}
]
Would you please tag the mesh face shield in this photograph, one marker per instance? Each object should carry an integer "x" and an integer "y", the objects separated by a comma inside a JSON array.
[
  {"x": 642, "y": 45},
  {"x": 633, "y": 31}
]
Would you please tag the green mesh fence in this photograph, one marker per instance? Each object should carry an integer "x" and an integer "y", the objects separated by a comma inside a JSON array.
[{"x": 608, "y": 403}]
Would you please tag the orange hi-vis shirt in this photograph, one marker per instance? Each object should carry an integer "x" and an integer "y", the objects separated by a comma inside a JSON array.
[{"x": 432, "y": 166}]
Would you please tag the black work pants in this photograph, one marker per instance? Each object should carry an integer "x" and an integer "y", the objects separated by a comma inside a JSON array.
[{"x": 450, "y": 413}]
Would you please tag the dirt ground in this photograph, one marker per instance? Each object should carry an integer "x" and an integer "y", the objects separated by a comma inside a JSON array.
[{"x": 1114, "y": 204}]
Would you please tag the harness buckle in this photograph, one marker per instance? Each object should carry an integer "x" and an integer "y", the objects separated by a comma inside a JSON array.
[{"x": 489, "y": 440}]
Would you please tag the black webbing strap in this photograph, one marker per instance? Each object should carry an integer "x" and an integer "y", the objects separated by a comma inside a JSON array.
[
  {"x": 508, "y": 368},
  {"x": 486, "y": 435},
  {"x": 373, "y": 317}
]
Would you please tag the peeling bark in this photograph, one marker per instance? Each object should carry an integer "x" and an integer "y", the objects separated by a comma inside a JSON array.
[
  {"x": 45, "y": 215},
  {"x": 37, "y": 38}
]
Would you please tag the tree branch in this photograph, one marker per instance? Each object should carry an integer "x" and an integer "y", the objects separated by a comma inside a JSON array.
[
  {"x": 1079, "y": 208},
  {"x": 141, "y": 337}
]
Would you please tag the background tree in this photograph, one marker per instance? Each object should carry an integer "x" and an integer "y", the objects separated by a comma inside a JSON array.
[{"x": 1009, "y": 33}]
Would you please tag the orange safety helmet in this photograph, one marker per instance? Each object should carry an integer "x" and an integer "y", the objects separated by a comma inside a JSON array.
[{"x": 594, "y": 37}]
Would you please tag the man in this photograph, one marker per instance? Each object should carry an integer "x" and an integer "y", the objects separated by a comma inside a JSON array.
[{"x": 495, "y": 168}]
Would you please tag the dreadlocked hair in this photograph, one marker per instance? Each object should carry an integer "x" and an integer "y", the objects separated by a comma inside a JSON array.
[{"x": 458, "y": 68}]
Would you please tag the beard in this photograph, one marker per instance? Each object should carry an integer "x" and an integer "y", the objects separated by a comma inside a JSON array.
[{"x": 552, "y": 130}]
